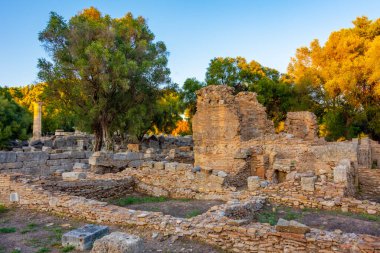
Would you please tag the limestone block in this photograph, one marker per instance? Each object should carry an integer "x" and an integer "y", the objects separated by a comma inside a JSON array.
[
  {"x": 135, "y": 163},
  {"x": 14, "y": 197},
  {"x": 184, "y": 166},
  {"x": 13, "y": 165},
  {"x": 47, "y": 149},
  {"x": 133, "y": 147},
  {"x": 222, "y": 174},
  {"x": 159, "y": 165},
  {"x": 291, "y": 227},
  {"x": 64, "y": 155},
  {"x": 32, "y": 156},
  {"x": 73, "y": 176},
  {"x": 308, "y": 183},
  {"x": 84, "y": 237},
  {"x": 340, "y": 174},
  {"x": 80, "y": 167},
  {"x": 253, "y": 183},
  {"x": 171, "y": 166},
  {"x": 118, "y": 242},
  {"x": 7, "y": 157},
  {"x": 77, "y": 154},
  {"x": 216, "y": 179}
]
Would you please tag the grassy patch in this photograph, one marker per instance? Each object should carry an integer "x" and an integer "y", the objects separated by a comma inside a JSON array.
[
  {"x": 2, "y": 249},
  {"x": 193, "y": 213},
  {"x": 268, "y": 217},
  {"x": 3, "y": 209},
  {"x": 138, "y": 200},
  {"x": 43, "y": 250},
  {"x": 16, "y": 251},
  {"x": 7, "y": 230},
  {"x": 361, "y": 216},
  {"x": 31, "y": 227},
  {"x": 67, "y": 248}
]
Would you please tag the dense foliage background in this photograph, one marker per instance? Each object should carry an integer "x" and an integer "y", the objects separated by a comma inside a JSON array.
[{"x": 108, "y": 76}]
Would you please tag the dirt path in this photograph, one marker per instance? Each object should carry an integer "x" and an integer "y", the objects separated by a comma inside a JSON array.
[{"x": 31, "y": 231}]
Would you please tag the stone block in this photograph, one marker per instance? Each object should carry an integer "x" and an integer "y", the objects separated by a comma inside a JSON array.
[
  {"x": 73, "y": 176},
  {"x": 291, "y": 227},
  {"x": 222, "y": 174},
  {"x": 184, "y": 166},
  {"x": 118, "y": 242},
  {"x": 13, "y": 165},
  {"x": 80, "y": 167},
  {"x": 308, "y": 183},
  {"x": 171, "y": 166},
  {"x": 196, "y": 169},
  {"x": 341, "y": 172},
  {"x": 7, "y": 157},
  {"x": 159, "y": 165},
  {"x": 65, "y": 155},
  {"x": 14, "y": 197},
  {"x": 134, "y": 147},
  {"x": 253, "y": 183},
  {"x": 135, "y": 163},
  {"x": 84, "y": 237}
]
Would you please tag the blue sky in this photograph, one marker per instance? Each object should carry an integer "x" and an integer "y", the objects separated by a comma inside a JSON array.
[{"x": 268, "y": 31}]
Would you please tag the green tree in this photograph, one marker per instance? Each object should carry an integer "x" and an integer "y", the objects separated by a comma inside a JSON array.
[
  {"x": 15, "y": 121},
  {"x": 189, "y": 97},
  {"x": 103, "y": 68}
]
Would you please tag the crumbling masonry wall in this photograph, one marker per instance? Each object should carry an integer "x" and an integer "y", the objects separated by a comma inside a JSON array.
[{"x": 222, "y": 122}]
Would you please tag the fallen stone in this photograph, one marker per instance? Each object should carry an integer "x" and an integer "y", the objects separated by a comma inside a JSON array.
[
  {"x": 291, "y": 227},
  {"x": 118, "y": 242},
  {"x": 73, "y": 176},
  {"x": 80, "y": 167},
  {"x": 308, "y": 183},
  {"x": 83, "y": 238},
  {"x": 253, "y": 183}
]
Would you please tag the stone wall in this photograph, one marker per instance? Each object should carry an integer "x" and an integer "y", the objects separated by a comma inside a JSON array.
[
  {"x": 41, "y": 163},
  {"x": 212, "y": 227},
  {"x": 222, "y": 122},
  {"x": 302, "y": 125},
  {"x": 175, "y": 180},
  {"x": 369, "y": 184},
  {"x": 94, "y": 189}
]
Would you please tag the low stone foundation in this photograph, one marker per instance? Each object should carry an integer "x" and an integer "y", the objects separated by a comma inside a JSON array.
[{"x": 212, "y": 227}]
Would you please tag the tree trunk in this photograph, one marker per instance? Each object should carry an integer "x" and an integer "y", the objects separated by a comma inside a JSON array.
[{"x": 98, "y": 139}]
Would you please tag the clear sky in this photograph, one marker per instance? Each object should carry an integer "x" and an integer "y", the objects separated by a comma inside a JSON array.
[{"x": 195, "y": 31}]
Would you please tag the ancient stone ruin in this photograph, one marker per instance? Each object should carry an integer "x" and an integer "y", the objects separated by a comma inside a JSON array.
[{"x": 234, "y": 156}]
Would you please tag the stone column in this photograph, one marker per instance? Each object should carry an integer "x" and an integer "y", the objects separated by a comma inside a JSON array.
[{"x": 37, "y": 116}]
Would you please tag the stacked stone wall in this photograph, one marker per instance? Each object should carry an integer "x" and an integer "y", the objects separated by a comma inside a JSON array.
[
  {"x": 369, "y": 184},
  {"x": 40, "y": 163},
  {"x": 212, "y": 227},
  {"x": 302, "y": 125}
]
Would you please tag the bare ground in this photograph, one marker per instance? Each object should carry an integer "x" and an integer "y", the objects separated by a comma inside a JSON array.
[
  {"x": 328, "y": 220},
  {"x": 182, "y": 208},
  {"x": 41, "y": 232}
]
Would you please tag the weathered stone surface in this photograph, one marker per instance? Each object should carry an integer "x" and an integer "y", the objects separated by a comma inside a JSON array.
[
  {"x": 80, "y": 167},
  {"x": 291, "y": 227},
  {"x": 222, "y": 122},
  {"x": 308, "y": 183},
  {"x": 84, "y": 237},
  {"x": 302, "y": 125},
  {"x": 118, "y": 242},
  {"x": 253, "y": 183},
  {"x": 72, "y": 176},
  {"x": 132, "y": 147}
]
